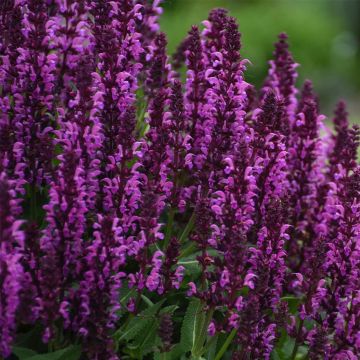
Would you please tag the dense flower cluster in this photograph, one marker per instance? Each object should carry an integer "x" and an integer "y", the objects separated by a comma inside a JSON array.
[{"x": 114, "y": 176}]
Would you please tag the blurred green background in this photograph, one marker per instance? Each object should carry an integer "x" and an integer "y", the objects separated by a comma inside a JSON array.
[{"x": 324, "y": 38}]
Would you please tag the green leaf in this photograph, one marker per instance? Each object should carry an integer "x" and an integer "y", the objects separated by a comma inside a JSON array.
[
  {"x": 192, "y": 267},
  {"x": 31, "y": 340},
  {"x": 188, "y": 229},
  {"x": 188, "y": 250},
  {"x": 139, "y": 322},
  {"x": 293, "y": 303},
  {"x": 70, "y": 353},
  {"x": 147, "y": 300},
  {"x": 23, "y": 353},
  {"x": 149, "y": 339},
  {"x": 193, "y": 319},
  {"x": 168, "y": 309},
  {"x": 288, "y": 347},
  {"x": 126, "y": 293},
  {"x": 211, "y": 347},
  {"x": 275, "y": 355},
  {"x": 188, "y": 327},
  {"x": 284, "y": 348},
  {"x": 174, "y": 354}
]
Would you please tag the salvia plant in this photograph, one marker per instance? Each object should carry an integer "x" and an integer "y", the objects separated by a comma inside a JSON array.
[{"x": 148, "y": 216}]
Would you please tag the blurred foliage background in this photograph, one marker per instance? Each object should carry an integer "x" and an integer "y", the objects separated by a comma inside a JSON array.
[{"x": 324, "y": 38}]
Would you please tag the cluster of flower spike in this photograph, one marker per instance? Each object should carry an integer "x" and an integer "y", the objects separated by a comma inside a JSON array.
[{"x": 111, "y": 170}]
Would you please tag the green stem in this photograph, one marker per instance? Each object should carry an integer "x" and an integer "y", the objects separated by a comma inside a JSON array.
[
  {"x": 33, "y": 202},
  {"x": 130, "y": 316},
  {"x": 226, "y": 344},
  {"x": 169, "y": 228},
  {"x": 187, "y": 251},
  {"x": 188, "y": 228},
  {"x": 163, "y": 356},
  {"x": 200, "y": 339},
  {"x": 211, "y": 342},
  {"x": 296, "y": 345}
]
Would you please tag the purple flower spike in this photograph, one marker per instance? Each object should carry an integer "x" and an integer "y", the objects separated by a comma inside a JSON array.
[
  {"x": 282, "y": 76},
  {"x": 11, "y": 271},
  {"x": 34, "y": 92}
]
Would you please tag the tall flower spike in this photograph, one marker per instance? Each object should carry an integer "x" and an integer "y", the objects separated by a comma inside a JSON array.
[
  {"x": 11, "y": 151},
  {"x": 11, "y": 271},
  {"x": 98, "y": 293},
  {"x": 34, "y": 93},
  {"x": 214, "y": 28},
  {"x": 168, "y": 149},
  {"x": 62, "y": 238},
  {"x": 73, "y": 188},
  {"x": 159, "y": 73},
  {"x": 77, "y": 104},
  {"x": 344, "y": 264},
  {"x": 116, "y": 232},
  {"x": 118, "y": 47},
  {"x": 282, "y": 76},
  {"x": 220, "y": 145},
  {"x": 178, "y": 144},
  {"x": 345, "y": 141},
  {"x": 178, "y": 58},
  {"x": 195, "y": 96},
  {"x": 232, "y": 210},
  {"x": 149, "y": 26},
  {"x": 155, "y": 186},
  {"x": 269, "y": 150},
  {"x": 265, "y": 271},
  {"x": 305, "y": 178},
  {"x": 307, "y": 94},
  {"x": 338, "y": 326},
  {"x": 225, "y": 95},
  {"x": 341, "y": 116}
]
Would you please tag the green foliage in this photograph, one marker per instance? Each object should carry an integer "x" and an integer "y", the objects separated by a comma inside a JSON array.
[
  {"x": 194, "y": 328},
  {"x": 139, "y": 323},
  {"x": 23, "y": 353},
  {"x": 70, "y": 353}
]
